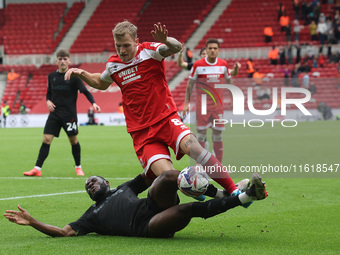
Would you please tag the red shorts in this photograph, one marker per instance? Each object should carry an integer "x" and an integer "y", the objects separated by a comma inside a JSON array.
[
  {"x": 151, "y": 144},
  {"x": 207, "y": 121}
]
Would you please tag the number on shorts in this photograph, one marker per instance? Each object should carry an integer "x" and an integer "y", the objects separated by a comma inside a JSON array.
[
  {"x": 71, "y": 126},
  {"x": 177, "y": 122}
]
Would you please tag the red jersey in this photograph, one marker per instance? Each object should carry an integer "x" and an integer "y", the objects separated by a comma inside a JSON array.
[
  {"x": 146, "y": 96},
  {"x": 206, "y": 76}
]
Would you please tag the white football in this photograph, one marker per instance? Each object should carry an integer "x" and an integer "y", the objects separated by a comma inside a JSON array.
[{"x": 192, "y": 182}]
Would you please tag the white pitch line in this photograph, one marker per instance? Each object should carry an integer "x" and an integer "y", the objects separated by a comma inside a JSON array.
[
  {"x": 43, "y": 195},
  {"x": 51, "y": 178}
]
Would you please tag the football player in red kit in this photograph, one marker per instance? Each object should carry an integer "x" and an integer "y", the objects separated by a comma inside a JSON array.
[
  {"x": 150, "y": 111},
  {"x": 205, "y": 73}
]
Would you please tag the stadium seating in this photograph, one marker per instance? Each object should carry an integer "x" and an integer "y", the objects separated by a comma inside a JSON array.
[
  {"x": 68, "y": 20},
  {"x": 96, "y": 35},
  {"x": 181, "y": 17},
  {"x": 243, "y": 27},
  {"x": 39, "y": 27}
]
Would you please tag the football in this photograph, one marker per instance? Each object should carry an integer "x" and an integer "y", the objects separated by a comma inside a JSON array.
[{"x": 192, "y": 182}]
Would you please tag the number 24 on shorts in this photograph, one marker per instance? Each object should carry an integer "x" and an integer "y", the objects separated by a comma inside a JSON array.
[{"x": 71, "y": 126}]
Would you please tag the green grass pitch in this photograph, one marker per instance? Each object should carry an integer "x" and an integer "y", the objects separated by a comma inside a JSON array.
[{"x": 300, "y": 216}]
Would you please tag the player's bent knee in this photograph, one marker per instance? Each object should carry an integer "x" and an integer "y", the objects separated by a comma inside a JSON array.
[
  {"x": 201, "y": 137},
  {"x": 169, "y": 176},
  {"x": 217, "y": 137}
]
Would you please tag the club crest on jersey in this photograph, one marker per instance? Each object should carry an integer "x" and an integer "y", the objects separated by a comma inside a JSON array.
[{"x": 137, "y": 60}]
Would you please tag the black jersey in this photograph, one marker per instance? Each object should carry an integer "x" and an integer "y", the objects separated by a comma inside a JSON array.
[
  {"x": 116, "y": 215},
  {"x": 64, "y": 94}
]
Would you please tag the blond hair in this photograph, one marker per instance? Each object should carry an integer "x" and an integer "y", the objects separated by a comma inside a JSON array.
[{"x": 123, "y": 28}]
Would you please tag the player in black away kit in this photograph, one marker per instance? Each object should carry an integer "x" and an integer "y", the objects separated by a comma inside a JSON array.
[
  {"x": 61, "y": 99},
  {"x": 120, "y": 212}
]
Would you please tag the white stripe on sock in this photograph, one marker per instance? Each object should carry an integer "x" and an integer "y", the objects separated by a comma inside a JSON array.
[{"x": 203, "y": 157}]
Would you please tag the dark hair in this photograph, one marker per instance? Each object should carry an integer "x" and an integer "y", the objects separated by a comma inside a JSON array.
[
  {"x": 212, "y": 40},
  {"x": 201, "y": 51},
  {"x": 63, "y": 53}
]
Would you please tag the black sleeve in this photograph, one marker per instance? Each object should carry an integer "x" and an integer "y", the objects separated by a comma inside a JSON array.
[
  {"x": 137, "y": 185},
  {"x": 80, "y": 85},
  {"x": 89, "y": 96},
  {"x": 81, "y": 226},
  {"x": 49, "y": 90}
]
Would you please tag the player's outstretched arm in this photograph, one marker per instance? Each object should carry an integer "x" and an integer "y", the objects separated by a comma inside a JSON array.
[
  {"x": 171, "y": 45},
  {"x": 92, "y": 79},
  {"x": 22, "y": 217},
  {"x": 180, "y": 62},
  {"x": 188, "y": 92},
  {"x": 235, "y": 70}
]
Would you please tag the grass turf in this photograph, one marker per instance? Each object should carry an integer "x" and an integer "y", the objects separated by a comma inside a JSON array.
[{"x": 300, "y": 216}]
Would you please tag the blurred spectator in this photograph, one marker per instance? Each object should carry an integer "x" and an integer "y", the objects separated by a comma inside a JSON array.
[
  {"x": 5, "y": 110},
  {"x": 295, "y": 76},
  {"x": 12, "y": 75},
  {"x": 188, "y": 54},
  {"x": 296, "y": 8},
  {"x": 322, "y": 17},
  {"x": 90, "y": 115},
  {"x": 268, "y": 33},
  {"x": 185, "y": 65},
  {"x": 305, "y": 80},
  {"x": 298, "y": 52},
  {"x": 284, "y": 21},
  {"x": 309, "y": 51},
  {"x": 258, "y": 77},
  {"x": 304, "y": 68},
  {"x": 22, "y": 108},
  {"x": 336, "y": 16},
  {"x": 316, "y": 10},
  {"x": 310, "y": 15},
  {"x": 315, "y": 62},
  {"x": 330, "y": 31},
  {"x": 120, "y": 108},
  {"x": 263, "y": 93},
  {"x": 325, "y": 110},
  {"x": 290, "y": 52},
  {"x": 334, "y": 58},
  {"x": 321, "y": 61},
  {"x": 304, "y": 10},
  {"x": 272, "y": 55},
  {"x": 286, "y": 73},
  {"x": 250, "y": 67},
  {"x": 337, "y": 32},
  {"x": 312, "y": 89},
  {"x": 297, "y": 29},
  {"x": 280, "y": 10},
  {"x": 288, "y": 33},
  {"x": 329, "y": 49},
  {"x": 322, "y": 32},
  {"x": 312, "y": 30},
  {"x": 282, "y": 53}
]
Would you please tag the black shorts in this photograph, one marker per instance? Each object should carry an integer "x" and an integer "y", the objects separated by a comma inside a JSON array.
[
  {"x": 148, "y": 209},
  {"x": 54, "y": 123}
]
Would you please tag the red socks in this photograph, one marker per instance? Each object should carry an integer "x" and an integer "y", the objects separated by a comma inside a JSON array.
[
  {"x": 218, "y": 149},
  {"x": 216, "y": 170}
]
